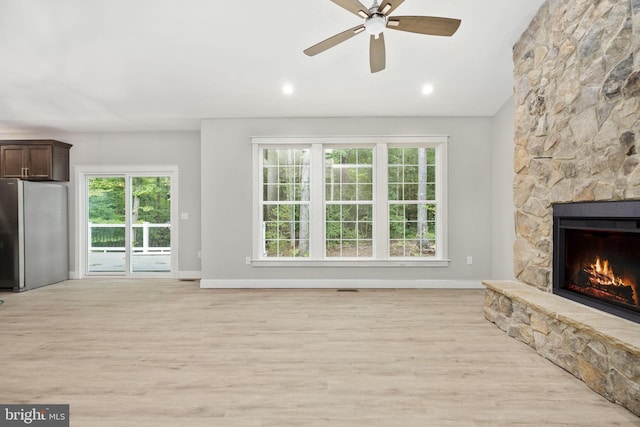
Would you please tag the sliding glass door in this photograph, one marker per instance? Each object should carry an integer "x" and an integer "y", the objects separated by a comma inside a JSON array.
[{"x": 128, "y": 224}]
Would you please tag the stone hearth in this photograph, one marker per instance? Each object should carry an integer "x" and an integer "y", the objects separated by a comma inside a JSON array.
[{"x": 600, "y": 349}]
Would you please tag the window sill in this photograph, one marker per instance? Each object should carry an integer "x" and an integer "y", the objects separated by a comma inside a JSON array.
[{"x": 349, "y": 263}]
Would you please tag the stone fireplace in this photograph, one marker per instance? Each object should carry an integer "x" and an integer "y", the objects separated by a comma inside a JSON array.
[
  {"x": 577, "y": 122},
  {"x": 576, "y": 141},
  {"x": 596, "y": 255}
]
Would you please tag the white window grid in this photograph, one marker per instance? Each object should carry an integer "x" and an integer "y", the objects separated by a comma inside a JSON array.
[
  {"x": 411, "y": 235},
  {"x": 295, "y": 202},
  {"x": 357, "y": 246}
]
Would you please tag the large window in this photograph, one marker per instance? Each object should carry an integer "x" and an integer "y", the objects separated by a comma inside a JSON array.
[{"x": 369, "y": 200}]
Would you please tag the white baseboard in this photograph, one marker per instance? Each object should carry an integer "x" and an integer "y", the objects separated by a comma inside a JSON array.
[
  {"x": 182, "y": 275},
  {"x": 341, "y": 284},
  {"x": 187, "y": 275}
]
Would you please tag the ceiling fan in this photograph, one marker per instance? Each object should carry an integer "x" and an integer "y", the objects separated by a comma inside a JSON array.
[{"x": 376, "y": 19}]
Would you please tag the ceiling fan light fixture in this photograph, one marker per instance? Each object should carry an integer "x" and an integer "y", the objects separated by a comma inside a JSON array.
[{"x": 375, "y": 24}]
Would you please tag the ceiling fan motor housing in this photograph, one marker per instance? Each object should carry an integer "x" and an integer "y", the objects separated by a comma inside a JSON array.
[{"x": 375, "y": 23}]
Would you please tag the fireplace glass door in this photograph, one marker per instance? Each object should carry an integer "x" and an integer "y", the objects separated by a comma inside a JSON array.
[
  {"x": 603, "y": 265},
  {"x": 596, "y": 255}
]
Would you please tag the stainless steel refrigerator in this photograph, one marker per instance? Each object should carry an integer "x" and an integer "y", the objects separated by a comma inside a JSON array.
[{"x": 34, "y": 238}]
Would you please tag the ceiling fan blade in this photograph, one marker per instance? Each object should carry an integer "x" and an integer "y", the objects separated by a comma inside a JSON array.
[
  {"x": 354, "y": 6},
  {"x": 377, "y": 55},
  {"x": 389, "y": 6},
  {"x": 430, "y": 25},
  {"x": 332, "y": 41}
]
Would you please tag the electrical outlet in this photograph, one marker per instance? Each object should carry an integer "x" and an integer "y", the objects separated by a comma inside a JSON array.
[
  {"x": 247, "y": 260},
  {"x": 469, "y": 260}
]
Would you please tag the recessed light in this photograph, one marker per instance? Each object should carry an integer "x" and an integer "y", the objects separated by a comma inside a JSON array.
[
  {"x": 427, "y": 89},
  {"x": 287, "y": 89}
]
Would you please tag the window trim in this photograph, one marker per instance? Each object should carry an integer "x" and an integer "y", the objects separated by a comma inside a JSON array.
[{"x": 381, "y": 205}]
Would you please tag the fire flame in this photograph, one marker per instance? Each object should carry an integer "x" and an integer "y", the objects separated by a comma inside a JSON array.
[
  {"x": 602, "y": 273},
  {"x": 605, "y": 273}
]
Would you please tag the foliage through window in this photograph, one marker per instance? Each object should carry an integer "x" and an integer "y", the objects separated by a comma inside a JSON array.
[
  {"x": 349, "y": 202},
  {"x": 285, "y": 202},
  {"x": 150, "y": 203},
  {"x": 412, "y": 202},
  {"x": 370, "y": 200}
]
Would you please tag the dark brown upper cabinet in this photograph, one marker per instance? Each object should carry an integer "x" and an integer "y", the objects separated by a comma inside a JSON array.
[{"x": 35, "y": 160}]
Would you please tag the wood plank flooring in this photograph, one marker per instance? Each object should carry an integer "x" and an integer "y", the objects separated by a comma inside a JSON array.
[{"x": 166, "y": 353}]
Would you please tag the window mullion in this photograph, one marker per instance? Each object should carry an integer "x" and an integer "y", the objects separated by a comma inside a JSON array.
[
  {"x": 441, "y": 202},
  {"x": 317, "y": 202},
  {"x": 381, "y": 203}
]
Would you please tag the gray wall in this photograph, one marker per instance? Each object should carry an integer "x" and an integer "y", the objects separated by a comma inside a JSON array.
[
  {"x": 504, "y": 233},
  {"x": 227, "y": 197},
  {"x": 219, "y": 199},
  {"x": 140, "y": 148}
]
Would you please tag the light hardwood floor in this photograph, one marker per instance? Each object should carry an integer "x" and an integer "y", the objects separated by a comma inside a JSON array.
[{"x": 166, "y": 353}]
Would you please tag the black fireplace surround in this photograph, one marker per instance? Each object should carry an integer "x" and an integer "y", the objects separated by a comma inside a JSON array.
[{"x": 596, "y": 255}]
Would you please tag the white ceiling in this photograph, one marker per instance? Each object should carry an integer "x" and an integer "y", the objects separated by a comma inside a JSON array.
[{"x": 106, "y": 65}]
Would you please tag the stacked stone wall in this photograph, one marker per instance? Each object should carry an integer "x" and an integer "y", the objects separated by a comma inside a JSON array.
[{"x": 577, "y": 121}]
